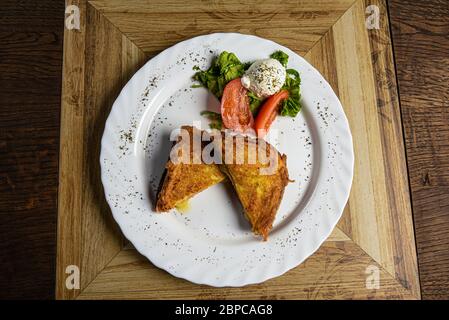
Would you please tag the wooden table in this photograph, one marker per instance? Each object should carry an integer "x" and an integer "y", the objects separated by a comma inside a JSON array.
[
  {"x": 421, "y": 44},
  {"x": 376, "y": 231}
]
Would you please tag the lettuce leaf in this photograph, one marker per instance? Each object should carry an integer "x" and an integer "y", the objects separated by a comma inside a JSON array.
[
  {"x": 254, "y": 102},
  {"x": 224, "y": 68},
  {"x": 292, "y": 105},
  {"x": 216, "y": 121},
  {"x": 280, "y": 56}
]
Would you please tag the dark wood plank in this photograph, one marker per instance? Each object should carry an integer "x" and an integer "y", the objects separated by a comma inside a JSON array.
[
  {"x": 30, "y": 83},
  {"x": 31, "y": 15},
  {"x": 431, "y": 217},
  {"x": 27, "y": 254},
  {"x": 22, "y": 54},
  {"x": 420, "y": 31}
]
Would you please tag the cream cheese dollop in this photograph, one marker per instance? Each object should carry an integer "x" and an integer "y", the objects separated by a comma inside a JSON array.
[{"x": 264, "y": 77}]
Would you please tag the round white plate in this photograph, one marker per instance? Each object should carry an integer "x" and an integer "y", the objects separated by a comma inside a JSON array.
[{"x": 212, "y": 243}]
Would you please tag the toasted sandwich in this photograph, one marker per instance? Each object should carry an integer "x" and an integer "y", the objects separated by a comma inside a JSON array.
[
  {"x": 259, "y": 184},
  {"x": 257, "y": 171},
  {"x": 184, "y": 179}
]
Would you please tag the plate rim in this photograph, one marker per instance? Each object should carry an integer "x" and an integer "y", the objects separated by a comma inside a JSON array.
[{"x": 265, "y": 276}]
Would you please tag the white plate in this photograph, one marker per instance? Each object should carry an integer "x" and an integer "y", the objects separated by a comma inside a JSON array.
[{"x": 212, "y": 243}]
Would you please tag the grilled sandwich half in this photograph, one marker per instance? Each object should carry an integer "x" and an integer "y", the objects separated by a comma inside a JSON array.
[
  {"x": 258, "y": 179},
  {"x": 184, "y": 180},
  {"x": 257, "y": 171}
]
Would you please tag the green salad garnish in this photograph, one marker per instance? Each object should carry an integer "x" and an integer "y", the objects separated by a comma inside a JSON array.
[
  {"x": 254, "y": 102},
  {"x": 224, "y": 68},
  {"x": 227, "y": 67},
  {"x": 215, "y": 119},
  {"x": 292, "y": 105},
  {"x": 280, "y": 56}
]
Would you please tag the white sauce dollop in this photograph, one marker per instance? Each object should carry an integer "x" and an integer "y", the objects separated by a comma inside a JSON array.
[{"x": 264, "y": 77}]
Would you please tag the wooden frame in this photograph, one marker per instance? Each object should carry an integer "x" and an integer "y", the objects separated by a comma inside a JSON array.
[{"x": 376, "y": 231}]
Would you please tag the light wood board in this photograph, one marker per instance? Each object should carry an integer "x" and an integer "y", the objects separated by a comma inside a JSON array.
[{"x": 376, "y": 230}]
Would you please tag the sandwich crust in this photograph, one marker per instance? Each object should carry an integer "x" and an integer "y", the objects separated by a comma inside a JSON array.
[
  {"x": 184, "y": 180},
  {"x": 260, "y": 190}
]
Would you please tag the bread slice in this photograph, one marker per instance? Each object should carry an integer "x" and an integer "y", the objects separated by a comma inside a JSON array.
[
  {"x": 258, "y": 184},
  {"x": 184, "y": 180}
]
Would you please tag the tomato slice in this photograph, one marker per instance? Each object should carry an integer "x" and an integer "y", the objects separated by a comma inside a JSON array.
[
  {"x": 268, "y": 112},
  {"x": 235, "y": 110}
]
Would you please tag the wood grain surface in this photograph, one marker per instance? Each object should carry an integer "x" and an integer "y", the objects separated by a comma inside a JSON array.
[
  {"x": 88, "y": 237},
  {"x": 30, "y": 84},
  {"x": 420, "y": 32},
  {"x": 336, "y": 271},
  {"x": 377, "y": 228},
  {"x": 378, "y": 216},
  {"x": 146, "y": 20}
]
